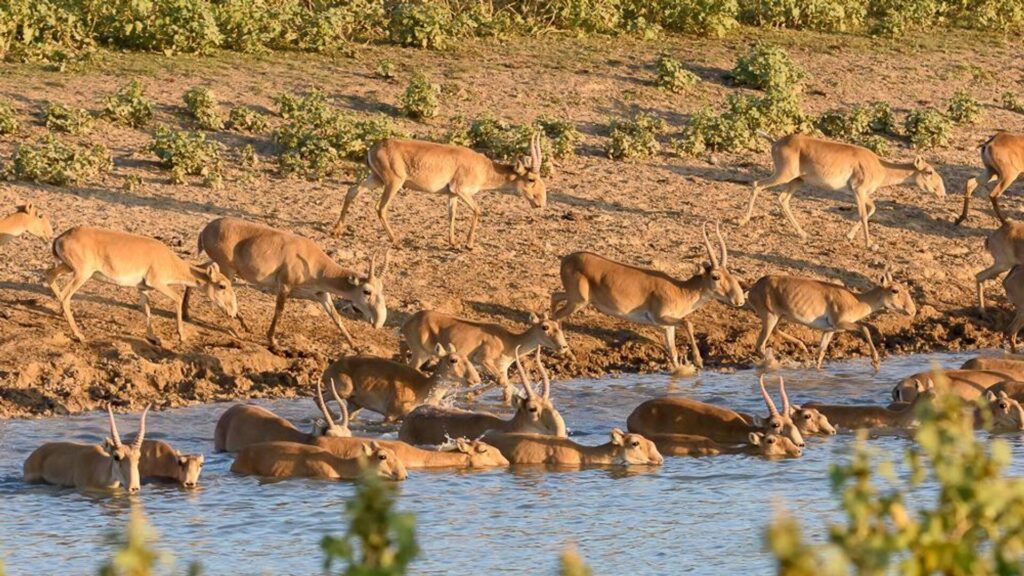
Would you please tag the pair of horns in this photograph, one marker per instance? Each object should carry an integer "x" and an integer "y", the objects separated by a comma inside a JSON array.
[
  {"x": 384, "y": 267},
  {"x": 323, "y": 405},
  {"x": 721, "y": 242},
  {"x": 115, "y": 437},
  {"x": 768, "y": 399},
  {"x": 526, "y": 379}
]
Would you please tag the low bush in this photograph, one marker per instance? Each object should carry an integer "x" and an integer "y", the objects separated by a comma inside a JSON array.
[
  {"x": 9, "y": 123},
  {"x": 894, "y": 18},
  {"x": 385, "y": 69},
  {"x": 767, "y": 67},
  {"x": 188, "y": 154},
  {"x": 743, "y": 123},
  {"x": 672, "y": 76},
  {"x": 202, "y": 106},
  {"x": 821, "y": 15},
  {"x": 634, "y": 138},
  {"x": 421, "y": 24},
  {"x": 503, "y": 140},
  {"x": 129, "y": 106},
  {"x": 863, "y": 125},
  {"x": 61, "y": 118},
  {"x": 562, "y": 134},
  {"x": 245, "y": 119},
  {"x": 50, "y": 161},
  {"x": 168, "y": 26},
  {"x": 963, "y": 109},
  {"x": 928, "y": 128},
  {"x": 419, "y": 101},
  {"x": 1010, "y": 102}
]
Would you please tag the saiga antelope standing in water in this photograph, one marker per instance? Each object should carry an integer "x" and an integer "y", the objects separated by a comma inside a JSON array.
[
  {"x": 823, "y": 306},
  {"x": 836, "y": 166},
  {"x": 646, "y": 296},
  {"x": 159, "y": 460},
  {"x": 26, "y": 218},
  {"x": 1003, "y": 157},
  {"x": 445, "y": 169},
  {"x": 295, "y": 267},
  {"x": 137, "y": 261}
]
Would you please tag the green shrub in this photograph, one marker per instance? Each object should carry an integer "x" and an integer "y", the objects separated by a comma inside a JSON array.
[
  {"x": 385, "y": 69},
  {"x": 861, "y": 125},
  {"x": 419, "y": 101},
  {"x": 822, "y": 15},
  {"x": 202, "y": 105},
  {"x": 963, "y": 109},
  {"x": 1010, "y": 102},
  {"x": 61, "y": 118},
  {"x": 928, "y": 128},
  {"x": 129, "y": 106},
  {"x": 248, "y": 26},
  {"x": 503, "y": 140},
  {"x": 187, "y": 154},
  {"x": 563, "y": 135},
  {"x": 50, "y": 161},
  {"x": 245, "y": 119},
  {"x": 634, "y": 138},
  {"x": 740, "y": 126},
  {"x": 9, "y": 123},
  {"x": 672, "y": 76},
  {"x": 767, "y": 67},
  {"x": 897, "y": 17},
  {"x": 989, "y": 15},
  {"x": 421, "y": 24},
  {"x": 168, "y": 26},
  {"x": 704, "y": 17}
]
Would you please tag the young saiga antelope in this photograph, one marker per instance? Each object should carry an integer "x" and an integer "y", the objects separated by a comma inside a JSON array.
[
  {"x": 292, "y": 460},
  {"x": 462, "y": 454},
  {"x": 444, "y": 169},
  {"x": 836, "y": 166},
  {"x": 624, "y": 449},
  {"x": 1003, "y": 157},
  {"x": 768, "y": 445},
  {"x": 245, "y": 424},
  {"x": 823, "y": 306},
  {"x": 159, "y": 460},
  {"x": 293, "y": 267},
  {"x": 87, "y": 466},
  {"x": 26, "y": 218},
  {"x": 646, "y": 296},
  {"x": 1006, "y": 245},
  {"x": 137, "y": 261}
]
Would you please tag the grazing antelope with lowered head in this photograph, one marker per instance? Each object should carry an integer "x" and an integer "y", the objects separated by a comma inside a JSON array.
[
  {"x": 160, "y": 460},
  {"x": 1003, "y": 157},
  {"x": 823, "y": 306},
  {"x": 462, "y": 454},
  {"x": 799, "y": 158},
  {"x": 1006, "y": 245},
  {"x": 535, "y": 413},
  {"x": 394, "y": 389},
  {"x": 293, "y": 460},
  {"x": 245, "y": 424},
  {"x": 293, "y": 267},
  {"x": 646, "y": 296},
  {"x": 444, "y": 169},
  {"x": 88, "y": 466},
  {"x": 491, "y": 345},
  {"x": 688, "y": 416},
  {"x": 132, "y": 261},
  {"x": 768, "y": 445},
  {"x": 532, "y": 449},
  {"x": 26, "y": 218}
]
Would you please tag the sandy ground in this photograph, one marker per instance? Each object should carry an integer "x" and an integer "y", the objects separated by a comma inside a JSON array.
[{"x": 647, "y": 213}]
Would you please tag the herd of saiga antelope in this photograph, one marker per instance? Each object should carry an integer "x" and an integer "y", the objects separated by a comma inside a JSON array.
[{"x": 293, "y": 266}]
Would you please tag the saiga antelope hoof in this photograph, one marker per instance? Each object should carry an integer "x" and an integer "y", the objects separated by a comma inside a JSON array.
[{"x": 684, "y": 370}]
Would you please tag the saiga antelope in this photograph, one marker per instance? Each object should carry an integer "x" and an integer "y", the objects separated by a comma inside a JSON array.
[
  {"x": 858, "y": 417},
  {"x": 533, "y": 449},
  {"x": 88, "y": 466},
  {"x": 132, "y": 261},
  {"x": 491, "y": 345},
  {"x": 823, "y": 306},
  {"x": 1014, "y": 286},
  {"x": 688, "y": 416},
  {"x": 26, "y": 218},
  {"x": 245, "y": 424},
  {"x": 293, "y": 266},
  {"x": 1006, "y": 245},
  {"x": 160, "y": 460},
  {"x": 836, "y": 166},
  {"x": 967, "y": 384},
  {"x": 1014, "y": 365},
  {"x": 394, "y": 389},
  {"x": 463, "y": 454},
  {"x": 535, "y": 413},
  {"x": 445, "y": 169},
  {"x": 646, "y": 296},
  {"x": 808, "y": 421},
  {"x": 293, "y": 460},
  {"x": 1003, "y": 157},
  {"x": 768, "y": 445}
]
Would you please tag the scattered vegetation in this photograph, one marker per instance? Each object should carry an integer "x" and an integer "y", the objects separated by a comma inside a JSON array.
[
  {"x": 928, "y": 128},
  {"x": 8, "y": 119},
  {"x": 51, "y": 161},
  {"x": 634, "y": 138},
  {"x": 134, "y": 554},
  {"x": 963, "y": 109},
  {"x": 820, "y": 15},
  {"x": 864, "y": 125},
  {"x": 672, "y": 76},
  {"x": 129, "y": 106},
  {"x": 61, "y": 118},
  {"x": 202, "y": 106},
  {"x": 769, "y": 68},
  {"x": 245, "y": 119},
  {"x": 742, "y": 124},
  {"x": 504, "y": 140},
  {"x": 562, "y": 134},
  {"x": 1011, "y": 103},
  {"x": 385, "y": 69},
  {"x": 419, "y": 101},
  {"x": 188, "y": 154}
]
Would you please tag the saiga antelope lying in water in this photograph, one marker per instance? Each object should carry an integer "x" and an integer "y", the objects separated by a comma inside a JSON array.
[
  {"x": 967, "y": 384},
  {"x": 463, "y": 455},
  {"x": 491, "y": 345},
  {"x": 1013, "y": 366},
  {"x": 160, "y": 460},
  {"x": 858, "y": 417},
  {"x": 823, "y": 306},
  {"x": 836, "y": 166},
  {"x": 808, "y": 421},
  {"x": 132, "y": 261},
  {"x": 444, "y": 169},
  {"x": 646, "y": 296},
  {"x": 88, "y": 466},
  {"x": 394, "y": 389},
  {"x": 292, "y": 460},
  {"x": 622, "y": 450},
  {"x": 245, "y": 424},
  {"x": 535, "y": 413},
  {"x": 26, "y": 218},
  {"x": 769, "y": 445},
  {"x": 1006, "y": 245},
  {"x": 1003, "y": 157},
  {"x": 688, "y": 416},
  {"x": 293, "y": 267}
]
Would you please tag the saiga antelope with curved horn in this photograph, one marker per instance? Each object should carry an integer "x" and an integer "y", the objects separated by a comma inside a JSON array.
[
  {"x": 799, "y": 158},
  {"x": 294, "y": 460},
  {"x": 823, "y": 306},
  {"x": 293, "y": 267},
  {"x": 26, "y": 218},
  {"x": 136, "y": 261},
  {"x": 446, "y": 169},
  {"x": 646, "y": 296},
  {"x": 809, "y": 421},
  {"x": 1003, "y": 157},
  {"x": 88, "y": 466}
]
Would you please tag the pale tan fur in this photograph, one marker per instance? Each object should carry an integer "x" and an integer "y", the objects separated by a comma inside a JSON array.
[
  {"x": 1006, "y": 245},
  {"x": 1003, "y": 157},
  {"x": 132, "y": 261},
  {"x": 532, "y": 449},
  {"x": 25, "y": 219},
  {"x": 160, "y": 460},
  {"x": 860, "y": 417},
  {"x": 829, "y": 165},
  {"x": 1013, "y": 365},
  {"x": 769, "y": 445},
  {"x": 87, "y": 466},
  {"x": 823, "y": 306},
  {"x": 1013, "y": 388},
  {"x": 967, "y": 384},
  {"x": 646, "y": 296},
  {"x": 293, "y": 460},
  {"x": 455, "y": 171},
  {"x": 245, "y": 424},
  {"x": 293, "y": 267},
  {"x": 395, "y": 389},
  {"x": 688, "y": 416},
  {"x": 466, "y": 455}
]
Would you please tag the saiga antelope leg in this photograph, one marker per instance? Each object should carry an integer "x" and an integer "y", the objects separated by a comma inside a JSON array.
[
  {"x": 53, "y": 274},
  {"x": 327, "y": 303},
  {"x": 65, "y": 302},
  {"x": 144, "y": 304},
  {"x": 768, "y": 324},
  {"x": 698, "y": 361},
  {"x": 862, "y": 211},
  {"x": 784, "y": 199},
  {"x": 775, "y": 179},
  {"x": 390, "y": 189},
  {"x": 984, "y": 276},
  {"x": 863, "y": 329},
  {"x": 282, "y": 297},
  {"x": 987, "y": 177},
  {"x": 1004, "y": 182},
  {"x": 1015, "y": 326},
  {"x": 670, "y": 346},
  {"x": 826, "y": 338},
  {"x": 369, "y": 183},
  {"x": 453, "y": 203},
  {"x": 790, "y": 338},
  {"x": 870, "y": 204},
  {"x": 468, "y": 200},
  {"x": 179, "y": 302}
]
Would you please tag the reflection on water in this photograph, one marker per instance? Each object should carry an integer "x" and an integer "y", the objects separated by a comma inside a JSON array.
[{"x": 700, "y": 516}]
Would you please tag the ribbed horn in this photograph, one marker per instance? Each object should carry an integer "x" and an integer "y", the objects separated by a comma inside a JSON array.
[
  {"x": 707, "y": 245},
  {"x": 387, "y": 261},
  {"x": 721, "y": 242},
  {"x": 142, "y": 430},
  {"x": 114, "y": 436},
  {"x": 535, "y": 154},
  {"x": 323, "y": 405},
  {"x": 523, "y": 376},
  {"x": 343, "y": 405},
  {"x": 785, "y": 397},
  {"x": 544, "y": 376},
  {"x": 768, "y": 399},
  {"x": 373, "y": 265}
]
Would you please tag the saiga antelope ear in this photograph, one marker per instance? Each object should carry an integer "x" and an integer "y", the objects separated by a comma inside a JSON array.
[
  {"x": 354, "y": 280},
  {"x": 919, "y": 163},
  {"x": 618, "y": 438},
  {"x": 534, "y": 319},
  {"x": 755, "y": 438},
  {"x": 439, "y": 350},
  {"x": 369, "y": 447},
  {"x": 451, "y": 349}
]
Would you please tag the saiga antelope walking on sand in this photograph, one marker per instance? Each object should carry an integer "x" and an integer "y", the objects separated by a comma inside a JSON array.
[
  {"x": 26, "y": 218},
  {"x": 1003, "y": 157}
]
